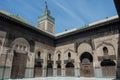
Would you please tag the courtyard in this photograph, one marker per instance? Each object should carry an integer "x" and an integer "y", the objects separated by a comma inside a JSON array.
[{"x": 64, "y": 78}]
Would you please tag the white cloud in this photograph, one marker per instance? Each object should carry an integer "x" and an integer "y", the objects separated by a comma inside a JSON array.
[{"x": 68, "y": 11}]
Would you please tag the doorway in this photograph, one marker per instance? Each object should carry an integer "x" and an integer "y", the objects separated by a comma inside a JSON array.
[
  {"x": 86, "y": 69},
  {"x": 69, "y": 69},
  {"x": 108, "y": 68},
  {"x": 18, "y": 65},
  {"x": 49, "y": 69}
]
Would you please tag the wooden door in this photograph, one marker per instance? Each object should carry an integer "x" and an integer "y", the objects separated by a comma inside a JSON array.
[
  {"x": 18, "y": 65},
  {"x": 49, "y": 72},
  {"x": 108, "y": 71},
  {"x": 38, "y": 72},
  {"x": 70, "y": 71},
  {"x": 49, "y": 69},
  {"x": 59, "y": 72},
  {"x": 87, "y": 71}
]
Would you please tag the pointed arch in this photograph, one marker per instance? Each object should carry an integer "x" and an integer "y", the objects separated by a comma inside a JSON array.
[{"x": 105, "y": 43}]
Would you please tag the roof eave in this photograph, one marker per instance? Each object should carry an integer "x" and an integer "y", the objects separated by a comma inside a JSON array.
[{"x": 27, "y": 25}]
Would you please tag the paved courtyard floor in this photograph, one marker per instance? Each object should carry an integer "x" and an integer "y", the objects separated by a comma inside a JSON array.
[{"x": 64, "y": 78}]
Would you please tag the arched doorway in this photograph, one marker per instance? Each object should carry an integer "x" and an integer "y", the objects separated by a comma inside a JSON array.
[
  {"x": 58, "y": 69},
  {"x": 69, "y": 69},
  {"x": 18, "y": 65},
  {"x": 20, "y": 49},
  {"x": 108, "y": 68},
  {"x": 38, "y": 69},
  {"x": 38, "y": 65},
  {"x": 49, "y": 69},
  {"x": 86, "y": 65}
]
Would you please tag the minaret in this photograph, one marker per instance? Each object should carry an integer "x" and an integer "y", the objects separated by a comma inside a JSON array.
[{"x": 46, "y": 21}]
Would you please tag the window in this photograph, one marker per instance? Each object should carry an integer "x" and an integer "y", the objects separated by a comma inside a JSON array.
[
  {"x": 69, "y": 55},
  {"x": 49, "y": 56},
  {"x": 58, "y": 56},
  {"x": 105, "y": 50},
  {"x": 39, "y": 54}
]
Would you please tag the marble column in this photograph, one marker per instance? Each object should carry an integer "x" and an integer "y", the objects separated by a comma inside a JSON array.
[
  {"x": 29, "y": 72},
  {"x": 77, "y": 72},
  {"x": 63, "y": 72},
  {"x": 54, "y": 72},
  {"x": 6, "y": 73},
  {"x": 98, "y": 72},
  {"x": 44, "y": 72},
  {"x": 54, "y": 67}
]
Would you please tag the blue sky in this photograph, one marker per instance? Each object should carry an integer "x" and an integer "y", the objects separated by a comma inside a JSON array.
[{"x": 68, "y": 14}]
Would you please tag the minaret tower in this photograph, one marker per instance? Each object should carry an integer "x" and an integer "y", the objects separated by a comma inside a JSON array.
[{"x": 46, "y": 21}]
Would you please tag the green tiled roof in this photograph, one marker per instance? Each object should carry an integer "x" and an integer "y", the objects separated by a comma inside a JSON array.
[
  {"x": 15, "y": 17},
  {"x": 46, "y": 15},
  {"x": 27, "y": 24},
  {"x": 92, "y": 25},
  {"x": 59, "y": 35}
]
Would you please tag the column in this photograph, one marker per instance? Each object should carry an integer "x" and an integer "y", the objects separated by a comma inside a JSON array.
[
  {"x": 77, "y": 69},
  {"x": 54, "y": 72},
  {"x": 63, "y": 69},
  {"x": 29, "y": 69},
  {"x": 54, "y": 68},
  {"x": 44, "y": 72},
  {"x": 29, "y": 72},
  {"x": 97, "y": 69},
  {"x": 6, "y": 64},
  {"x": 118, "y": 63},
  {"x": 63, "y": 72},
  {"x": 98, "y": 72}
]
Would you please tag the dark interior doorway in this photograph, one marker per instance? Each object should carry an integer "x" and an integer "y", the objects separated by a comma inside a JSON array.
[{"x": 49, "y": 69}]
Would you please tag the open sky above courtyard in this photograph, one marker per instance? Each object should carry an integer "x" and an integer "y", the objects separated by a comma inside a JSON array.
[{"x": 68, "y": 14}]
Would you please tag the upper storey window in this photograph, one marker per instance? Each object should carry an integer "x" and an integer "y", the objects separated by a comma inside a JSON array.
[
  {"x": 105, "y": 50},
  {"x": 58, "y": 56},
  {"x": 39, "y": 54},
  {"x": 49, "y": 56},
  {"x": 69, "y": 55}
]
